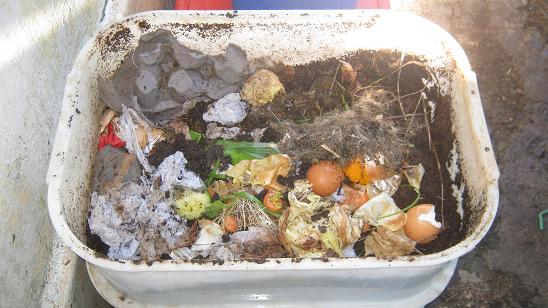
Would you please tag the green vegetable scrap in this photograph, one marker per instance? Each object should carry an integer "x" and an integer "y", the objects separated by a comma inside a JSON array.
[
  {"x": 215, "y": 208},
  {"x": 214, "y": 175},
  {"x": 191, "y": 205},
  {"x": 345, "y": 105},
  {"x": 244, "y": 150},
  {"x": 194, "y": 135}
]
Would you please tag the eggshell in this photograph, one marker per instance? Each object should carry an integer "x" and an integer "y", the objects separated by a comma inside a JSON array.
[
  {"x": 353, "y": 170},
  {"x": 373, "y": 172},
  {"x": 326, "y": 177},
  {"x": 353, "y": 197},
  {"x": 421, "y": 225},
  {"x": 359, "y": 172}
]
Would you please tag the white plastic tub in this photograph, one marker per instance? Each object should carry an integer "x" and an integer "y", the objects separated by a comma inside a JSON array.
[{"x": 297, "y": 38}]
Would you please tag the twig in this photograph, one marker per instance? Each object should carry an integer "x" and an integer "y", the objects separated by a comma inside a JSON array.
[
  {"x": 270, "y": 110},
  {"x": 405, "y": 115},
  {"x": 412, "y": 117},
  {"x": 427, "y": 124},
  {"x": 394, "y": 71},
  {"x": 328, "y": 149},
  {"x": 398, "y": 85},
  {"x": 334, "y": 77},
  {"x": 441, "y": 183},
  {"x": 279, "y": 120},
  {"x": 411, "y": 94},
  {"x": 340, "y": 86}
]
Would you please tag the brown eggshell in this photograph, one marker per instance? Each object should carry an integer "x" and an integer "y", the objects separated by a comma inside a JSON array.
[
  {"x": 374, "y": 172},
  {"x": 419, "y": 230},
  {"x": 348, "y": 73},
  {"x": 326, "y": 177},
  {"x": 353, "y": 197}
]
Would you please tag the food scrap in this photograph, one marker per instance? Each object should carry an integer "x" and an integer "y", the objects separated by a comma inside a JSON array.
[{"x": 221, "y": 157}]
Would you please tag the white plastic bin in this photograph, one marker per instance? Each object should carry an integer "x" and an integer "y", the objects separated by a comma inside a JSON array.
[{"x": 297, "y": 37}]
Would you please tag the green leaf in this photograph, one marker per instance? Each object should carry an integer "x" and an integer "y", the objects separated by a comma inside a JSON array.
[
  {"x": 194, "y": 135},
  {"x": 215, "y": 208},
  {"x": 345, "y": 105},
  {"x": 213, "y": 175},
  {"x": 302, "y": 120},
  {"x": 244, "y": 150}
]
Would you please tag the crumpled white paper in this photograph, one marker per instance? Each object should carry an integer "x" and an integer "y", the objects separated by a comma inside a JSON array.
[
  {"x": 229, "y": 110},
  {"x": 173, "y": 172},
  {"x": 135, "y": 227}
]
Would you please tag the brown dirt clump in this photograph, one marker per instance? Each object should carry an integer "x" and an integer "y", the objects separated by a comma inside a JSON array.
[{"x": 200, "y": 155}]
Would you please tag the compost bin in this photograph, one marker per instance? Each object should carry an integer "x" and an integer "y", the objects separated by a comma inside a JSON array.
[{"x": 292, "y": 38}]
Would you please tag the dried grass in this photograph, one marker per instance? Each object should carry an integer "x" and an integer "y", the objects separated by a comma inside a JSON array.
[{"x": 360, "y": 130}]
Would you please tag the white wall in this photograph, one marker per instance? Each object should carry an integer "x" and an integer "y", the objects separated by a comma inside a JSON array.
[{"x": 39, "y": 40}]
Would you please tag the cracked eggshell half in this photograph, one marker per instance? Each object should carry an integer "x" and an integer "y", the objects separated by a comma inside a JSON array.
[{"x": 421, "y": 223}]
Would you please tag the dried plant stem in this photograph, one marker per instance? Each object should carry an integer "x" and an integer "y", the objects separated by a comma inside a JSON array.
[
  {"x": 248, "y": 214},
  {"x": 334, "y": 78},
  {"x": 438, "y": 165},
  {"x": 405, "y": 115},
  {"x": 328, "y": 149},
  {"x": 427, "y": 125},
  {"x": 394, "y": 95},
  {"x": 398, "y": 85},
  {"x": 441, "y": 183},
  {"x": 396, "y": 70},
  {"x": 412, "y": 117}
]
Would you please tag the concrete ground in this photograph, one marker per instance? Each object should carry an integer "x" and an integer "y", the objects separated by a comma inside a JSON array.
[{"x": 505, "y": 41}]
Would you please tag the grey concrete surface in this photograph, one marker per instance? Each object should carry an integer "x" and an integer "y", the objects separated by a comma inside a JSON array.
[{"x": 39, "y": 40}]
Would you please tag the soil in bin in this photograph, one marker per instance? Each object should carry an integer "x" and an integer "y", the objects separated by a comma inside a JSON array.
[
  {"x": 378, "y": 68},
  {"x": 315, "y": 91}
]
